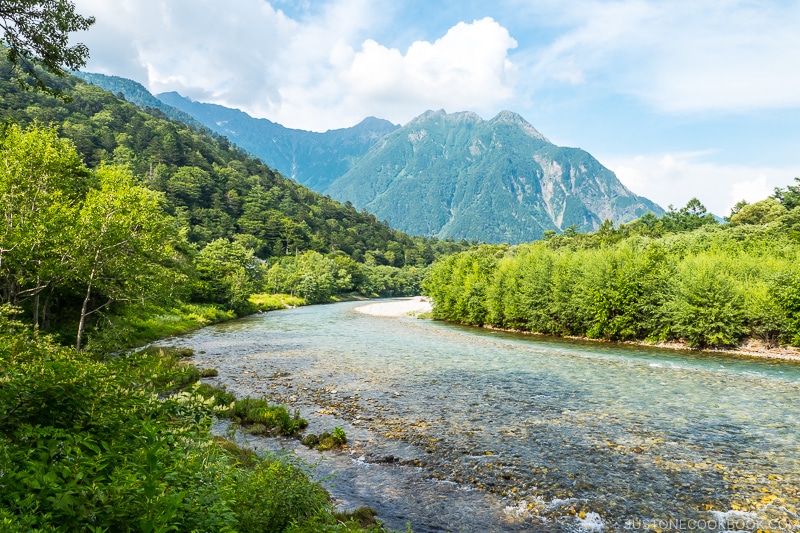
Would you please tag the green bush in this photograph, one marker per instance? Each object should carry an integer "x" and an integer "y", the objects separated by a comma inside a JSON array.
[
  {"x": 785, "y": 290},
  {"x": 222, "y": 398},
  {"x": 275, "y": 493},
  {"x": 329, "y": 441},
  {"x": 87, "y": 445},
  {"x": 707, "y": 310},
  {"x": 272, "y": 418},
  {"x": 271, "y": 302}
]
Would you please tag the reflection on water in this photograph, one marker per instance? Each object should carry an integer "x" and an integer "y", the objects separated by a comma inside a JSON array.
[{"x": 461, "y": 429}]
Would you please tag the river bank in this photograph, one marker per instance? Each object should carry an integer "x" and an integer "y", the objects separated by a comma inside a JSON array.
[
  {"x": 420, "y": 305},
  {"x": 414, "y": 306},
  {"x": 748, "y": 348}
]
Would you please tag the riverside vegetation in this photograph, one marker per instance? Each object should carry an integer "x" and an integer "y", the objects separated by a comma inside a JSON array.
[{"x": 679, "y": 277}]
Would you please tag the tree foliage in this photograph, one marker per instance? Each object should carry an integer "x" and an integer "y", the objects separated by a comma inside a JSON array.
[
  {"x": 36, "y": 32},
  {"x": 790, "y": 196},
  {"x": 69, "y": 231},
  {"x": 684, "y": 278},
  {"x": 125, "y": 246}
]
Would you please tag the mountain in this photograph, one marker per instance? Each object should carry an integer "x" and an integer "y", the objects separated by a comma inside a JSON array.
[
  {"x": 215, "y": 189},
  {"x": 498, "y": 181},
  {"x": 312, "y": 159},
  {"x": 444, "y": 175},
  {"x": 135, "y": 93}
]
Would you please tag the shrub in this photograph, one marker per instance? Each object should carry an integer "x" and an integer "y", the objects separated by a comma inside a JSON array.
[
  {"x": 275, "y": 493},
  {"x": 103, "y": 446},
  {"x": 329, "y": 441},
  {"x": 222, "y": 398},
  {"x": 271, "y": 302},
  {"x": 274, "y": 418},
  {"x": 706, "y": 310}
]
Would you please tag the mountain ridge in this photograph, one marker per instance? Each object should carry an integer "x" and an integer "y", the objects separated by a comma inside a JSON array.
[
  {"x": 444, "y": 175},
  {"x": 496, "y": 180},
  {"x": 313, "y": 159}
]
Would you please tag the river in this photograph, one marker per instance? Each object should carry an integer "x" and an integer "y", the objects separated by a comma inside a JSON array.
[{"x": 464, "y": 429}]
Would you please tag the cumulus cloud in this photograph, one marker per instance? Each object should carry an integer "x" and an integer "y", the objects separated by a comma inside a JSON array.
[
  {"x": 321, "y": 71},
  {"x": 704, "y": 55},
  {"x": 468, "y": 68},
  {"x": 678, "y": 177}
]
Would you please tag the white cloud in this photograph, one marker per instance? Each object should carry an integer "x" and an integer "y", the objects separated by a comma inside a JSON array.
[
  {"x": 202, "y": 48},
  {"x": 703, "y": 55},
  {"x": 678, "y": 177},
  {"x": 468, "y": 68},
  {"x": 316, "y": 73}
]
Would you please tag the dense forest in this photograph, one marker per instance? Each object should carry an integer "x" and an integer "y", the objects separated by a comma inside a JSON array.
[
  {"x": 107, "y": 205},
  {"x": 679, "y": 277}
]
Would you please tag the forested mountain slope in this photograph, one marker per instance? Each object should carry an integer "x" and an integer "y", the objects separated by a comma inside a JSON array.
[
  {"x": 215, "y": 188},
  {"x": 497, "y": 181},
  {"x": 136, "y": 93},
  {"x": 313, "y": 159}
]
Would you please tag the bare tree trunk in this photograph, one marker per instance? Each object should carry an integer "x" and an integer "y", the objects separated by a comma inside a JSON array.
[
  {"x": 82, "y": 323},
  {"x": 36, "y": 310}
]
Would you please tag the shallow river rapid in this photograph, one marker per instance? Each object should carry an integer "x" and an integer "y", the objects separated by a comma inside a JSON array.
[{"x": 463, "y": 429}]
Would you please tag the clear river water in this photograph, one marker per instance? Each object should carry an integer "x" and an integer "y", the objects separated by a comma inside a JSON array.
[{"x": 465, "y": 429}]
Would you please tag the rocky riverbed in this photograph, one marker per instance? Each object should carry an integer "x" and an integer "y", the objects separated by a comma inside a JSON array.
[{"x": 457, "y": 431}]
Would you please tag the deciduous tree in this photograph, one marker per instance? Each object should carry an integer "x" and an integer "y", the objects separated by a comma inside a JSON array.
[
  {"x": 124, "y": 245},
  {"x": 36, "y": 32}
]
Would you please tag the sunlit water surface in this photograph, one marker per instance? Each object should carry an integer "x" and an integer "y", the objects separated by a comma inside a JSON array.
[{"x": 464, "y": 429}]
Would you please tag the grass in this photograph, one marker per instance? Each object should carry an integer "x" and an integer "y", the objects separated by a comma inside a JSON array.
[
  {"x": 135, "y": 325},
  {"x": 271, "y": 302},
  {"x": 326, "y": 440},
  {"x": 263, "y": 418},
  {"x": 221, "y": 396}
]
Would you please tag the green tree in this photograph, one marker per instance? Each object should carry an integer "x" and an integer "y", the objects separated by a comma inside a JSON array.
[
  {"x": 688, "y": 218},
  {"x": 228, "y": 274},
  {"x": 36, "y": 32},
  {"x": 790, "y": 196},
  {"x": 125, "y": 245},
  {"x": 42, "y": 182},
  {"x": 458, "y": 284},
  {"x": 763, "y": 212},
  {"x": 707, "y": 309}
]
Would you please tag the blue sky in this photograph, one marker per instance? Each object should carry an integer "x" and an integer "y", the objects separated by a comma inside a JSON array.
[{"x": 679, "y": 98}]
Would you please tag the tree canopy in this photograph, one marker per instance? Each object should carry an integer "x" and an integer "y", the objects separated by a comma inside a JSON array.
[
  {"x": 682, "y": 276},
  {"x": 36, "y": 32}
]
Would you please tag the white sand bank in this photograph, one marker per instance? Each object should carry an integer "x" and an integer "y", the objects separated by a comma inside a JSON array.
[{"x": 402, "y": 307}]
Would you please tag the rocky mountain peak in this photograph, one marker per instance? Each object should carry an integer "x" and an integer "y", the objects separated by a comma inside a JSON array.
[{"x": 509, "y": 117}]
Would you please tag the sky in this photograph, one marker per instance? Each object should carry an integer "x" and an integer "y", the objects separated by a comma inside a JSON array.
[{"x": 681, "y": 99}]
